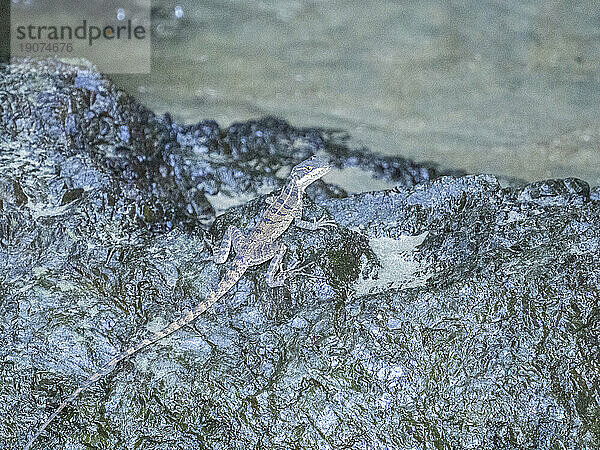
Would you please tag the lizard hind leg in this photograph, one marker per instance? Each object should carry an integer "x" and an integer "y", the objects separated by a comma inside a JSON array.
[
  {"x": 276, "y": 276},
  {"x": 273, "y": 278},
  {"x": 232, "y": 236}
]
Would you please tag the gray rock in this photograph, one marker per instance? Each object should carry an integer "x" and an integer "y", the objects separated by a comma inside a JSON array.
[{"x": 448, "y": 312}]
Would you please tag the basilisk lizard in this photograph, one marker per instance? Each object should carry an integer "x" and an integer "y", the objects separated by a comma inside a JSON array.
[{"x": 256, "y": 246}]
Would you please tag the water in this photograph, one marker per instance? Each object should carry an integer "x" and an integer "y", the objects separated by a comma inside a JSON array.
[{"x": 507, "y": 87}]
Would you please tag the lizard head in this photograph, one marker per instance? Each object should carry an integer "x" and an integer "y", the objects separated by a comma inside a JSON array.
[{"x": 309, "y": 171}]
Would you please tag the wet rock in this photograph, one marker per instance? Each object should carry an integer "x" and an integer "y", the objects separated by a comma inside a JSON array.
[
  {"x": 20, "y": 197},
  {"x": 71, "y": 195},
  {"x": 555, "y": 192},
  {"x": 450, "y": 311}
]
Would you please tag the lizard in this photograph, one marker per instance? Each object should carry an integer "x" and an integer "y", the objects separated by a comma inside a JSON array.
[{"x": 253, "y": 247}]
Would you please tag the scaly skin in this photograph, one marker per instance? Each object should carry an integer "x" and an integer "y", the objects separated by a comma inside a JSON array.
[{"x": 257, "y": 246}]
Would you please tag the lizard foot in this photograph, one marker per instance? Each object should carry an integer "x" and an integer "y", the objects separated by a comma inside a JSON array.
[
  {"x": 211, "y": 249},
  {"x": 298, "y": 269},
  {"x": 295, "y": 270},
  {"x": 323, "y": 223},
  {"x": 215, "y": 256}
]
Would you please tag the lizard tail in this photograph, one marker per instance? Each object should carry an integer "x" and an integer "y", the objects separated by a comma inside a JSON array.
[{"x": 187, "y": 318}]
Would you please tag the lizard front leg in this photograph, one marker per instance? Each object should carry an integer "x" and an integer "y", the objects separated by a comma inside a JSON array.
[
  {"x": 232, "y": 235},
  {"x": 320, "y": 224}
]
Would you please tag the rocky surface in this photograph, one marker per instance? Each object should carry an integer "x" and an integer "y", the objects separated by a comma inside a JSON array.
[{"x": 448, "y": 312}]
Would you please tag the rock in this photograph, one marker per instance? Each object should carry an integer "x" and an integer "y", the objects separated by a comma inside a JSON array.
[{"x": 449, "y": 311}]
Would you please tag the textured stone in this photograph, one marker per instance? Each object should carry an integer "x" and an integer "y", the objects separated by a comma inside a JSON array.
[{"x": 448, "y": 312}]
